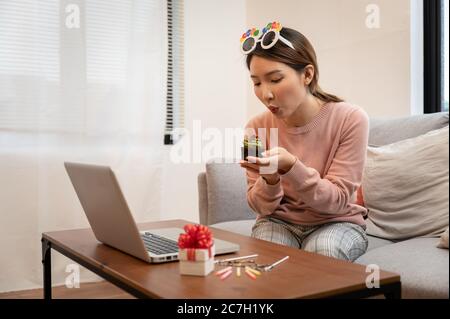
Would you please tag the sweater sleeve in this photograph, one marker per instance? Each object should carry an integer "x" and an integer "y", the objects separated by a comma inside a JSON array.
[
  {"x": 262, "y": 198},
  {"x": 332, "y": 193}
]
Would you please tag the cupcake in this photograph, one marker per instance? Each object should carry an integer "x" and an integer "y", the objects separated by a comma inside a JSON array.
[{"x": 252, "y": 147}]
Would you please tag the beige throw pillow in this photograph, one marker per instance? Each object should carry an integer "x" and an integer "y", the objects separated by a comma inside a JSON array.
[
  {"x": 443, "y": 243},
  {"x": 405, "y": 187}
]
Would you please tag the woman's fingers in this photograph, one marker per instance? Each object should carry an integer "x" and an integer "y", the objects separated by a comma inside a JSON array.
[
  {"x": 250, "y": 168},
  {"x": 262, "y": 166},
  {"x": 272, "y": 152},
  {"x": 250, "y": 165},
  {"x": 259, "y": 169},
  {"x": 260, "y": 161}
]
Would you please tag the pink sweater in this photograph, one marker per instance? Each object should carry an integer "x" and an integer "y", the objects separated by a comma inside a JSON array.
[{"x": 321, "y": 186}]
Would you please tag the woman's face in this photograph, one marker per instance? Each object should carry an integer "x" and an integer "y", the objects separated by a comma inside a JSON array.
[{"x": 280, "y": 88}]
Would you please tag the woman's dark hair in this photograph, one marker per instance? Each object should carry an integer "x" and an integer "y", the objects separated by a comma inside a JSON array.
[{"x": 303, "y": 55}]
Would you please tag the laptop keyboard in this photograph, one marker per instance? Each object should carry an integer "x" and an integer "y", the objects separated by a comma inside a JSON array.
[{"x": 159, "y": 245}]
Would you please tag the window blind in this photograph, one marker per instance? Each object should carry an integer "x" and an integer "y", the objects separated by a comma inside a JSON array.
[
  {"x": 175, "y": 71},
  {"x": 105, "y": 76},
  {"x": 29, "y": 60}
]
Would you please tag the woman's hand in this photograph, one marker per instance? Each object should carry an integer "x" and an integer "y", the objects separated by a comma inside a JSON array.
[
  {"x": 271, "y": 179},
  {"x": 275, "y": 162}
]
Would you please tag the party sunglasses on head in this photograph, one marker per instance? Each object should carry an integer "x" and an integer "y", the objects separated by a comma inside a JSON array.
[{"x": 268, "y": 38}]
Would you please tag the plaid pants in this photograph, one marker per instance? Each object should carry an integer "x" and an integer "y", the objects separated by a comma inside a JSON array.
[{"x": 340, "y": 240}]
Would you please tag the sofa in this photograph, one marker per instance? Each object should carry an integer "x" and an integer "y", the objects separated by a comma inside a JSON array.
[{"x": 424, "y": 268}]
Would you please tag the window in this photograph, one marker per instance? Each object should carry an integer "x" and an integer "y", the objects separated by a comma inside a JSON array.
[
  {"x": 29, "y": 61},
  {"x": 175, "y": 71},
  {"x": 436, "y": 56},
  {"x": 445, "y": 73},
  {"x": 105, "y": 75}
]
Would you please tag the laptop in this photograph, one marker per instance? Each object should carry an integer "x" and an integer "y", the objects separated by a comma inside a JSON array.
[{"x": 113, "y": 224}]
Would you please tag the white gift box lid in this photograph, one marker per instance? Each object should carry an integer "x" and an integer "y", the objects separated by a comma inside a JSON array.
[{"x": 199, "y": 254}]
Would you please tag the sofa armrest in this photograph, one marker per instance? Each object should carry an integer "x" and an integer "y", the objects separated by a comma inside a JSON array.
[
  {"x": 203, "y": 198},
  {"x": 222, "y": 193}
]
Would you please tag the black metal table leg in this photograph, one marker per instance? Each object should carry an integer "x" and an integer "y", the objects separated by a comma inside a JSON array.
[{"x": 47, "y": 266}]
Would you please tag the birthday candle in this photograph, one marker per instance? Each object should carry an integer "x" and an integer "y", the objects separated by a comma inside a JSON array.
[
  {"x": 220, "y": 272},
  {"x": 238, "y": 272},
  {"x": 254, "y": 271},
  {"x": 250, "y": 274},
  {"x": 226, "y": 274}
]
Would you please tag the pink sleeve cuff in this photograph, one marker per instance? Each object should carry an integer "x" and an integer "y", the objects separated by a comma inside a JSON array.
[
  {"x": 298, "y": 175},
  {"x": 272, "y": 191}
]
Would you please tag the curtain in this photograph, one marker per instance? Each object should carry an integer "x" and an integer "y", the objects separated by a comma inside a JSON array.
[{"x": 80, "y": 81}]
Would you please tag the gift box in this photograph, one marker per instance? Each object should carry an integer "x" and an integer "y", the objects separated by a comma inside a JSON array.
[
  {"x": 196, "y": 262},
  {"x": 252, "y": 147},
  {"x": 196, "y": 254},
  {"x": 196, "y": 251}
]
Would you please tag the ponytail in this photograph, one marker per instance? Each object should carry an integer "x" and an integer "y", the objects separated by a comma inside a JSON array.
[{"x": 324, "y": 96}]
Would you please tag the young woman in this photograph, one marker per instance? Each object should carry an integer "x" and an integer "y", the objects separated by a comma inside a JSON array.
[{"x": 308, "y": 200}]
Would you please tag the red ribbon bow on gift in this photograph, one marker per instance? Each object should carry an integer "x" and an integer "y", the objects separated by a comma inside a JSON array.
[{"x": 196, "y": 237}]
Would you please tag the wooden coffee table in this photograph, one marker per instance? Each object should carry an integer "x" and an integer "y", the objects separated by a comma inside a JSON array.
[{"x": 303, "y": 275}]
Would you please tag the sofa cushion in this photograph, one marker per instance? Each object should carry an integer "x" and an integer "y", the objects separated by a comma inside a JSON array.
[
  {"x": 387, "y": 131},
  {"x": 405, "y": 187},
  {"x": 423, "y": 268},
  {"x": 375, "y": 242},
  {"x": 227, "y": 193},
  {"x": 242, "y": 227}
]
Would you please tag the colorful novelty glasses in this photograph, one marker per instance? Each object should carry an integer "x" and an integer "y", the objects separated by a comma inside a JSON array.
[{"x": 268, "y": 38}]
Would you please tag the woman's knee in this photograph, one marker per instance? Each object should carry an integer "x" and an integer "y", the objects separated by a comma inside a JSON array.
[
  {"x": 268, "y": 230},
  {"x": 346, "y": 242}
]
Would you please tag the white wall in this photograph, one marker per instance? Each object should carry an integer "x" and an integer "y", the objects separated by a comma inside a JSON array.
[
  {"x": 368, "y": 67},
  {"x": 215, "y": 91}
]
